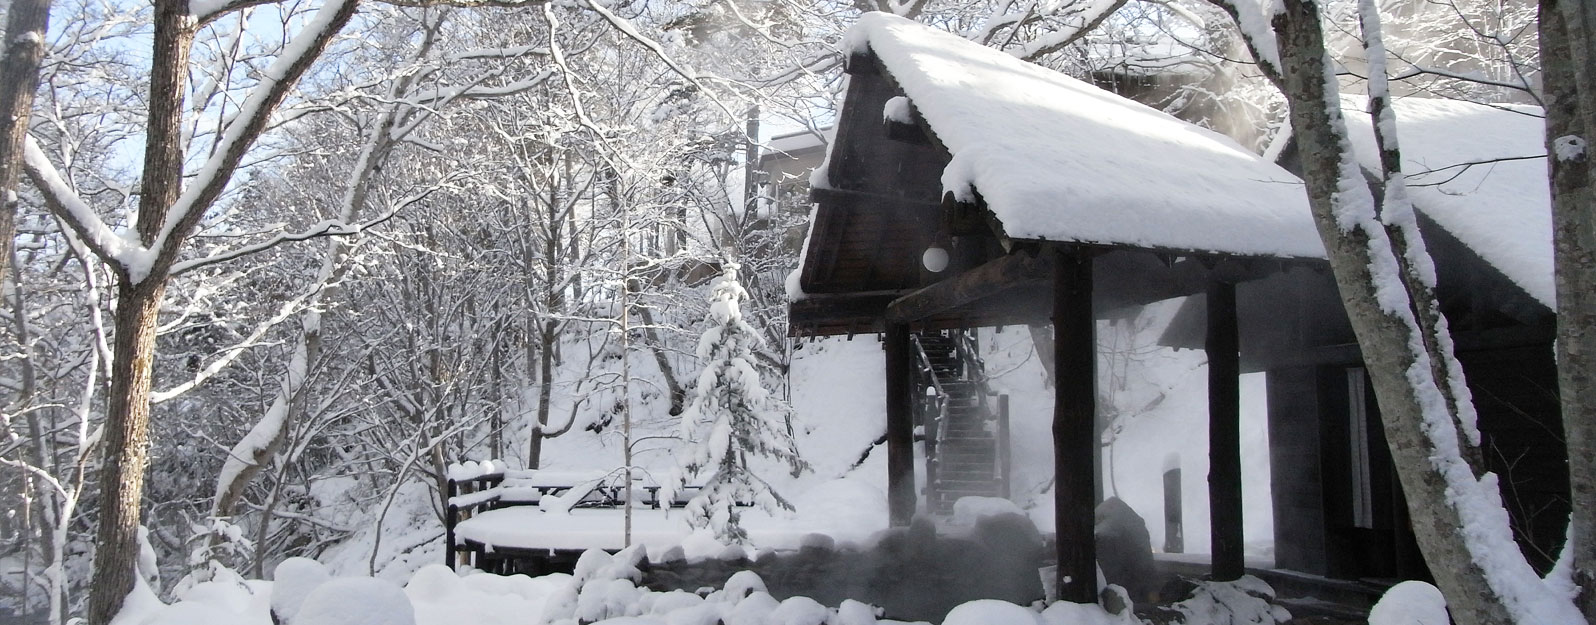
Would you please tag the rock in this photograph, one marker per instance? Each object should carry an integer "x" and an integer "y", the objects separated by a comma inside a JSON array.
[{"x": 1124, "y": 549}]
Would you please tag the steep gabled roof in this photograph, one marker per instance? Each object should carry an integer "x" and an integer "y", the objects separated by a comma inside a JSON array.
[
  {"x": 1057, "y": 159},
  {"x": 1479, "y": 171}
]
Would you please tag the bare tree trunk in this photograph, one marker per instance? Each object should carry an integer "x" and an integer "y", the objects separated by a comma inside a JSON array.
[
  {"x": 126, "y": 443},
  {"x": 657, "y": 347},
  {"x": 127, "y": 420},
  {"x": 27, "y": 21},
  {"x": 546, "y": 339},
  {"x": 1568, "y": 44},
  {"x": 496, "y": 420}
]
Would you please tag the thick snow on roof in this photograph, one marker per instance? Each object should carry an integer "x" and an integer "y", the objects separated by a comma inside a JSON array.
[
  {"x": 1055, "y": 158},
  {"x": 1501, "y": 210},
  {"x": 795, "y": 141}
]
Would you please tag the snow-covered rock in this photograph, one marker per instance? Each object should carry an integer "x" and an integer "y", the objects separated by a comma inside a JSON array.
[
  {"x": 1410, "y": 603},
  {"x": 356, "y": 601},
  {"x": 989, "y": 612}
]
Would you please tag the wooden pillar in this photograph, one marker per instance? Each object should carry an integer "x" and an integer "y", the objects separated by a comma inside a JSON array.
[
  {"x": 901, "y": 497},
  {"x": 1224, "y": 433},
  {"x": 1074, "y": 426}
]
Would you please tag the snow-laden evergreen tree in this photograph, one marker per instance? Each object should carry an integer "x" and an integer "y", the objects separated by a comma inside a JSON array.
[{"x": 730, "y": 416}]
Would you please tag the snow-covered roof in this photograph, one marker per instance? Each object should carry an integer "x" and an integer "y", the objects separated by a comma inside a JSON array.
[
  {"x": 1058, "y": 159},
  {"x": 1501, "y": 210},
  {"x": 795, "y": 141}
]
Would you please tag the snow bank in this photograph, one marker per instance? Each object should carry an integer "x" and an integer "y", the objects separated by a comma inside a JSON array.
[
  {"x": 989, "y": 611},
  {"x": 296, "y": 578}
]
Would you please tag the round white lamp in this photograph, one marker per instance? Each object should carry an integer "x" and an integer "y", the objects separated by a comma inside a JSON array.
[{"x": 935, "y": 259}]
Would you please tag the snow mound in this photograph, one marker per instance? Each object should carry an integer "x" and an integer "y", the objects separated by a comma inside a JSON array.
[
  {"x": 1066, "y": 613},
  {"x": 357, "y": 601},
  {"x": 856, "y": 613},
  {"x": 990, "y": 612},
  {"x": 742, "y": 584},
  {"x": 295, "y": 578},
  {"x": 799, "y": 611},
  {"x": 434, "y": 582},
  {"x": 755, "y": 609},
  {"x": 1410, "y": 603}
]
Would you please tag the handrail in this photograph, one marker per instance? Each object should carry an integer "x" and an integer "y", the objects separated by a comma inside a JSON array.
[
  {"x": 934, "y": 441},
  {"x": 925, "y": 363},
  {"x": 975, "y": 370}
]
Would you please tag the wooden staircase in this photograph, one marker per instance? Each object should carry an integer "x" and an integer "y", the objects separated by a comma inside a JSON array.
[{"x": 966, "y": 436}]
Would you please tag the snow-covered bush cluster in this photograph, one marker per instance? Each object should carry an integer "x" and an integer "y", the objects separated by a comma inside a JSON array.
[{"x": 603, "y": 590}]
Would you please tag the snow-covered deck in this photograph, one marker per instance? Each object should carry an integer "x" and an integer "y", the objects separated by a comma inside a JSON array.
[
  {"x": 843, "y": 511},
  {"x": 531, "y": 528}
]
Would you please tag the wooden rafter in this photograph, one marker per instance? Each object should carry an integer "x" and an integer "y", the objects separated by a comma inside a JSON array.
[{"x": 990, "y": 279}]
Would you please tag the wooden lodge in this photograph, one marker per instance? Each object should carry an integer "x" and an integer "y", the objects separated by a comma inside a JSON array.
[{"x": 1055, "y": 203}]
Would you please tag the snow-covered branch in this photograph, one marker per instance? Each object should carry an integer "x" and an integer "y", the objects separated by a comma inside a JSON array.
[
  {"x": 630, "y": 30},
  {"x": 330, "y": 227},
  {"x": 111, "y": 247},
  {"x": 1257, "y": 33},
  {"x": 1088, "y": 18},
  {"x": 207, "y": 11},
  {"x": 246, "y": 126},
  {"x": 285, "y": 310}
]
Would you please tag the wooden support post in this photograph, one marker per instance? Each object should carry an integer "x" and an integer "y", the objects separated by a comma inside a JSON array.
[
  {"x": 1224, "y": 433},
  {"x": 451, "y": 516},
  {"x": 901, "y": 498},
  {"x": 1074, "y": 426}
]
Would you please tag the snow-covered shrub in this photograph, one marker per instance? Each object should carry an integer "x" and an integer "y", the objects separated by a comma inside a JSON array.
[{"x": 730, "y": 416}]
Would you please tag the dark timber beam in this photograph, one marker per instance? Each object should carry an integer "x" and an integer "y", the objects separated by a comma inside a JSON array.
[
  {"x": 992, "y": 278},
  {"x": 901, "y": 498},
  {"x": 1224, "y": 432},
  {"x": 825, "y": 314},
  {"x": 1074, "y": 425}
]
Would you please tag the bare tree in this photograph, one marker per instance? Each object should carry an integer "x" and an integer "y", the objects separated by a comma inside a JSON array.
[
  {"x": 168, "y": 213},
  {"x": 1568, "y": 53}
]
